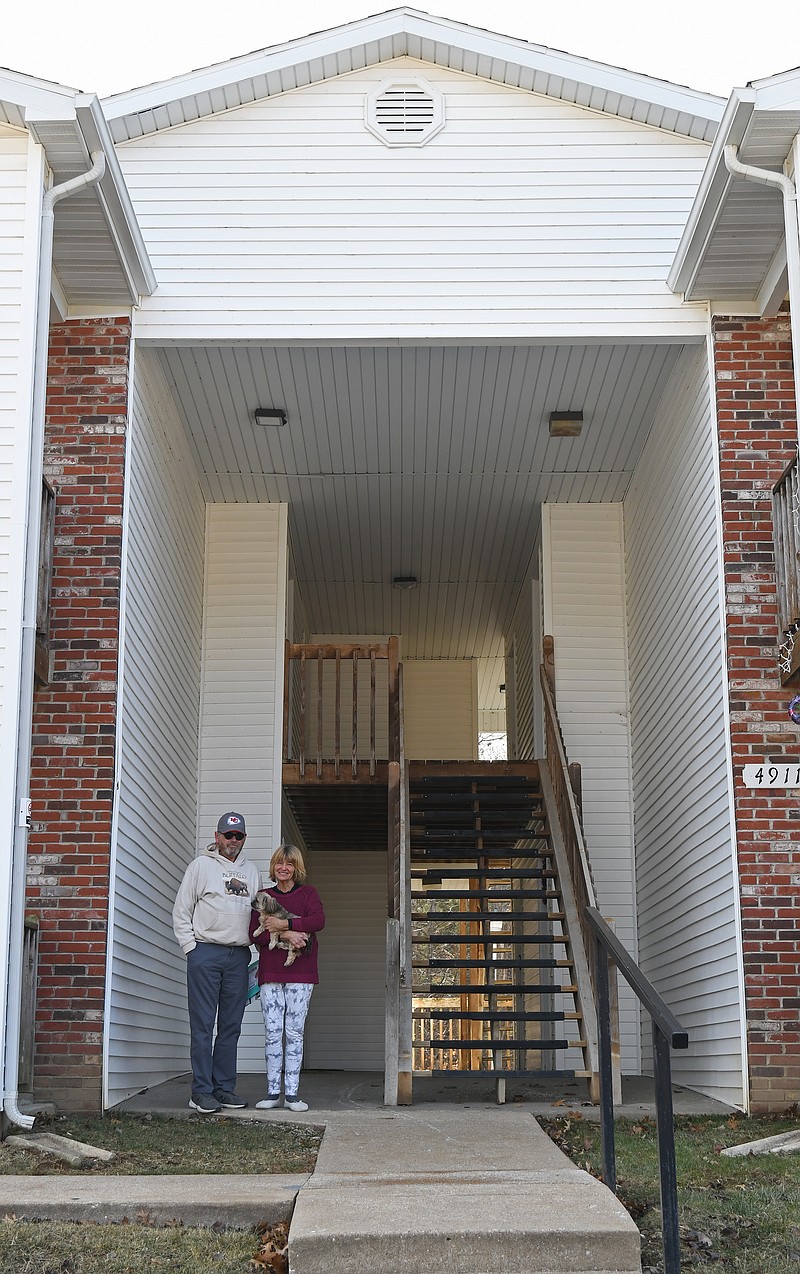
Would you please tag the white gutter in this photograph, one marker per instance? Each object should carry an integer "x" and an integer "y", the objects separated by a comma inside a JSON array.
[
  {"x": 788, "y": 188},
  {"x": 25, "y": 718}
]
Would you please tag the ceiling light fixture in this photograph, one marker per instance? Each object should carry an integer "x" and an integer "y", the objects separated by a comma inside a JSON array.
[
  {"x": 404, "y": 582},
  {"x": 566, "y": 424},
  {"x": 270, "y": 416}
]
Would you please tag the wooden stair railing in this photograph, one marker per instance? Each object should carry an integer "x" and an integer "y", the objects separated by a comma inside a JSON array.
[{"x": 559, "y": 782}]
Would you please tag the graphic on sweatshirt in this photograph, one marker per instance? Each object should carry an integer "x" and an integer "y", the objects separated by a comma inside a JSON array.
[{"x": 236, "y": 886}]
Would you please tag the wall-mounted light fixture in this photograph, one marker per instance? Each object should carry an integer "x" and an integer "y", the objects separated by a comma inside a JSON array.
[
  {"x": 270, "y": 416},
  {"x": 404, "y": 582},
  {"x": 566, "y": 424}
]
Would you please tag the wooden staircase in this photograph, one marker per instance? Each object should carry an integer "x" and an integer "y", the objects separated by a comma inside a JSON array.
[
  {"x": 495, "y": 988},
  {"x": 489, "y": 955}
]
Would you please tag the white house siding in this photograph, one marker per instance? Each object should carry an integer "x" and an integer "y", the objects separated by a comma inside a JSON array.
[
  {"x": 346, "y": 1021},
  {"x": 521, "y": 669},
  {"x": 440, "y": 699},
  {"x": 524, "y": 217},
  {"x": 242, "y": 688},
  {"x": 20, "y": 199},
  {"x": 686, "y": 876},
  {"x": 158, "y": 731},
  {"x": 16, "y": 341},
  {"x": 584, "y": 611}
]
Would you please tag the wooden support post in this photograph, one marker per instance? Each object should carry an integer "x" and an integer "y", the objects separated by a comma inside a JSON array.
[
  {"x": 302, "y": 713},
  {"x": 337, "y": 716},
  {"x": 320, "y": 669},
  {"x": 372, "y": 711},
  {"x": 287, "y": 666},
  {"x": 549, "y": 661},
  {"x": 354, "y": 740},
  {"x": 576, "y": 783},
  {"x": 392, "y": 1028},
  {"x": 405, "y": 1069}
]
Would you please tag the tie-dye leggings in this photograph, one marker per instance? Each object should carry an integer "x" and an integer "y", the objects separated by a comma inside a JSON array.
[{"x": 284, "y": 1005}]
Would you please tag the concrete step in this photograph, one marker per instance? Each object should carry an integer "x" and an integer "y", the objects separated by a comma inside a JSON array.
[
  {"x": 192, "y": 1199},
  {"x": 454, "y": 1192}
]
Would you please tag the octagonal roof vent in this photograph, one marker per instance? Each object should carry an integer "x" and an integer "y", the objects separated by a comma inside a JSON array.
[{"x": 407, "y": 112}]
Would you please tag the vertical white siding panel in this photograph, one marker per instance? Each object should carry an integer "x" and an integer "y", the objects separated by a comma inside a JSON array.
[
  {"x": 440, "y": 709},
  {"x": 686, "y": 874},
  {"x": 147, "y": 1032},
  {"x": 242, "y": 688},
  {"x": 21, "y": 182},
  {"x": 584, "y": 610},
  {"x": 346, "y": 1020},
  {"x": 20, "y": 191},
  {"x": 522, "y": 669}
]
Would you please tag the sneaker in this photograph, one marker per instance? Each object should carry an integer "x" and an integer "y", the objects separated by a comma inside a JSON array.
[
  {"x": 230, "y": 1101},
  {"x": 269, "y": 1102},
  {"x": 294, "y": 1103},
  {"x": 204, "y": 1104}
]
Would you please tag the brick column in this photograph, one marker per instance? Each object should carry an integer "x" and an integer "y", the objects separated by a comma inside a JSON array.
[
  {"x": 75, "y": 715},
  {"x": 756, "y": 412}
]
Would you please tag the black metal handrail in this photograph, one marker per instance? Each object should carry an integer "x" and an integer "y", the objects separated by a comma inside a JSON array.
[{"x": 667, "y": 1033}]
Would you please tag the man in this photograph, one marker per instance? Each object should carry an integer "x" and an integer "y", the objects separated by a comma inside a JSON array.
[{"x": 211, "y": 917}]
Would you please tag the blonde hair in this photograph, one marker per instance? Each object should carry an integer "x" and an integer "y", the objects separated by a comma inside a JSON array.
[{"x": 290, "y": 854}]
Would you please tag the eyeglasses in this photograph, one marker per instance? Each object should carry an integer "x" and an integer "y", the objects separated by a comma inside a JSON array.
[{"x": 233, "y": 835}]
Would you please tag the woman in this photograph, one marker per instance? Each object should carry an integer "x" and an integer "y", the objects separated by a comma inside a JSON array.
[{"x": 286, "y": 991}]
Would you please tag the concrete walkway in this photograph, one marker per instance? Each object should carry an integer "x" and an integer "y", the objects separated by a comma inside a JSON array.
[
  {"x": 432, "y": 1191},
  {"x": 447, "y": 1186}
]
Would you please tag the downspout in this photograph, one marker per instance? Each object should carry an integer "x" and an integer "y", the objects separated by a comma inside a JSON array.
[
  {"x": 788, "y": 188},
  {"x": 25, "y": 721}
]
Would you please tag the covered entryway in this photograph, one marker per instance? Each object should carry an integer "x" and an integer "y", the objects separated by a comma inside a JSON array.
[
  {"x": 363, "y": 368},
  {"x": 509, "y": 529}
]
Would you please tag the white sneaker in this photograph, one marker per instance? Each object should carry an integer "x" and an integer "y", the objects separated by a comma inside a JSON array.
[
  {"x": 294, "y": 1103},
  {"x": 269, "y": 1102}
]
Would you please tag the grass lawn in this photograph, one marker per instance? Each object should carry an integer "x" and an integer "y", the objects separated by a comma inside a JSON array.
[
  {"x": 53, "y": 1247},
  {"x": 150, "y": 1144},
  {"x": 153, "y": 1145},
  {"x": 739, "y": 1215}
]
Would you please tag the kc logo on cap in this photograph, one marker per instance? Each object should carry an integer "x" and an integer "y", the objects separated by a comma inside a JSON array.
[{"x": 231, "y": 822}]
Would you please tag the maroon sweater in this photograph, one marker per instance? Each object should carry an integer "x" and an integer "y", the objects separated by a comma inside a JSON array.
[{"x": 302, "y": 901}]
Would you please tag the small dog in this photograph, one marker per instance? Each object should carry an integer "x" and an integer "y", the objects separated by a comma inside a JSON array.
[{"x": 266, "y": 905}]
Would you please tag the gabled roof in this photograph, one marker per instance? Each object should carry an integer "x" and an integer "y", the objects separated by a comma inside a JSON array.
[
  {"x": 96, "y": 226},
  {"x": 733, "y": 249},
  {"x": 407, "y": 32}
]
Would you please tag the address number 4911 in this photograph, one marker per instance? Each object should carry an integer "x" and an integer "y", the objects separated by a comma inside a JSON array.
[{"x": 784, "y": 774}]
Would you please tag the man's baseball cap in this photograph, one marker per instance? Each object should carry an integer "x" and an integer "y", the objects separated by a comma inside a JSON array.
[{"x": 231, "y": 822}]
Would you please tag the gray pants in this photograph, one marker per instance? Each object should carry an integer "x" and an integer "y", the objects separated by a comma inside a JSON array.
[
  {"x": 284, "y": 1005},
  {"x": 216, "y": 982}
]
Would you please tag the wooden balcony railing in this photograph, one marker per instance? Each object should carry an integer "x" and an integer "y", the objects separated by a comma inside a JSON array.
[
  {"x": 339, "y": 715},
  {"x": 786, "y": 541}
]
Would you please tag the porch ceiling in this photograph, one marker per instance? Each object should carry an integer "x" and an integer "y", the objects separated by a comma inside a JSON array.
[{"x": 428, "y": 461}]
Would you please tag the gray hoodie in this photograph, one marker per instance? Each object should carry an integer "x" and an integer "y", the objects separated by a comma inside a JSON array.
[{"x": 214, "y": 900}]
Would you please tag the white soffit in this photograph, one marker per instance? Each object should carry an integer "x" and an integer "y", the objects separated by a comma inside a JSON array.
[
  {"x": 732, "y": 251},
  {"x": 430, "y": 461},
  {"x": 22, "y": 93},
  {"x": 99, "y": 254},
  {"x": 406, "y": 32}
]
